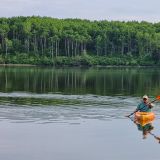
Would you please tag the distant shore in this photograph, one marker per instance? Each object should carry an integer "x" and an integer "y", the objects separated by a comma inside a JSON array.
[
  {"x": 80, "y": 66},
  {"x": 86, "y": 60},
  {"x": 27, "y": 65},
  {"x": 48, "y": 41}
]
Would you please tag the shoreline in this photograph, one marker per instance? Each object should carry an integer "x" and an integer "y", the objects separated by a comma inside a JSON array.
[
  {"x": 80, "y": 66},
  {"x": 16, "y": 65}
]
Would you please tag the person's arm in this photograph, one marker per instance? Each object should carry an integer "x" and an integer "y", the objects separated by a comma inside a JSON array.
[{"x": 151, "y": 105}]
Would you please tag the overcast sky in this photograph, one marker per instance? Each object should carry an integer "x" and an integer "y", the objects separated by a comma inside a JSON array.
[{"x": 127, "y": 10}]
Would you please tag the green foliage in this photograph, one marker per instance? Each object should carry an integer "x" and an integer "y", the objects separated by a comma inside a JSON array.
[
  {"x": 49, "y": 41},
  {"x": 146, "y": 61},
  {"x": 1, "y": 59}
]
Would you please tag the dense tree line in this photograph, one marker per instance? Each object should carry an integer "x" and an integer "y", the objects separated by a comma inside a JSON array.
[{"x": 70, "y": 38}]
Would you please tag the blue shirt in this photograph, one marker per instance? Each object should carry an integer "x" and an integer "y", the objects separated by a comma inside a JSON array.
[{"x": 142, "y": 107}]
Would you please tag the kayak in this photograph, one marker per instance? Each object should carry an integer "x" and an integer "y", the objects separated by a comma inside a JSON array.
[{"x": 144, "y": 118}]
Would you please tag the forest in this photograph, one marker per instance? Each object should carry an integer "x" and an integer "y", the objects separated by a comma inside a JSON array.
[{"x": 50, "y": 41}]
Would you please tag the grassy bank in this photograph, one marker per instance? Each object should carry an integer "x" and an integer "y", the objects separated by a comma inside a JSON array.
[{"x": 83, "y": 60}]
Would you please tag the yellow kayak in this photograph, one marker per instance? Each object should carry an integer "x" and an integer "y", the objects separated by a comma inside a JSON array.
[{"x": 144, "y": 118}]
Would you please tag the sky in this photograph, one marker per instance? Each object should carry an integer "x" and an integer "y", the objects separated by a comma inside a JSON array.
[{"x": 121, "y": 10}]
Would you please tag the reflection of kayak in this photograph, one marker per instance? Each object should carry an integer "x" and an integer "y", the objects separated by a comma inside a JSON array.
[{"x": 144, "y": 118}]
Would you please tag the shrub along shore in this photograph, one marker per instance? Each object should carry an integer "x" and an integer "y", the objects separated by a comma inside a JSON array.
[{"x": 84, "y": 60}]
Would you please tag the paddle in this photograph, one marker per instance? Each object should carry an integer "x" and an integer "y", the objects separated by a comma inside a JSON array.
[
  {"x": 156, "y": 137},
  {"x": 157, "y": 98}
]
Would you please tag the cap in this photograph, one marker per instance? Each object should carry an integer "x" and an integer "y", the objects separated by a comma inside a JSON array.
[{"x": 145, "y": 96}]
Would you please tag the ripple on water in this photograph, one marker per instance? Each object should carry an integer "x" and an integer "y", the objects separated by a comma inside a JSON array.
[{"x": 57, "y": 108}]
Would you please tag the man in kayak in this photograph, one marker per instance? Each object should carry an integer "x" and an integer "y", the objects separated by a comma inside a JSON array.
[{"x": 145, "y": 105}]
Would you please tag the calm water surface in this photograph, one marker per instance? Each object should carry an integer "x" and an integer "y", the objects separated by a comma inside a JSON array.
[{"x": 75, "y": 114}]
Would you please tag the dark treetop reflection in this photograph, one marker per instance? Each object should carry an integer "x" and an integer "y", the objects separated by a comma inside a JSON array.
[{"x": 99, "y": 81}]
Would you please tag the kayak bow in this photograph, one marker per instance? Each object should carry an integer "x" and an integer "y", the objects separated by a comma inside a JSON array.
[{"x": 144, "y": 118}]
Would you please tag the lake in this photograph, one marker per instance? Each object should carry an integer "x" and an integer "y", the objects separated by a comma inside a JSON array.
[{"x": 76, "y": 113}]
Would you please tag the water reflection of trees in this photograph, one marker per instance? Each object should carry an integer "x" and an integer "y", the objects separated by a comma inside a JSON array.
[{"x": 109, "y": 81}]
